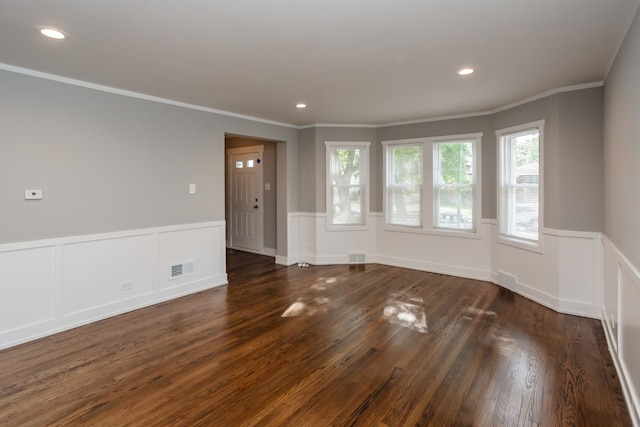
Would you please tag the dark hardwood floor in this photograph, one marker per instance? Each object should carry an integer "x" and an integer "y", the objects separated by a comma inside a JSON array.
[{"x": 321, "y": 346}]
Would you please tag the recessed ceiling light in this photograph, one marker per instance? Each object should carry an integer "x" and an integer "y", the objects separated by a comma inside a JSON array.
[
  {"x": 465, "y": 71},
  {"x": 52, "y": 33},
  {"x": 301, "y": 105}
]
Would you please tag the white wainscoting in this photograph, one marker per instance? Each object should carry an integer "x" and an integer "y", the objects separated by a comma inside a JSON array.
[
  {"x": 621, "y": 318},
  {"x": 566, "y": 275},
  {"x": 52, "y": 285},
  {"x": 458, "y": 254}
]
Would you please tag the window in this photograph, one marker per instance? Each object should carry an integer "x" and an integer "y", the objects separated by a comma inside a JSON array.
[
  {"x": 453, "y": 184},
  {"x": 520, "y": 178},
  {"x": 432, "y": 184},
  {"x": 347, "y": 183},
  {"x": 404, "y": 185}
]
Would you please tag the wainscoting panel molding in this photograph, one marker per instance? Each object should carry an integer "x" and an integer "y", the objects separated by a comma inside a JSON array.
[
  {"x": 52, "y": 285},
  {"x": 621, "y": 317}
]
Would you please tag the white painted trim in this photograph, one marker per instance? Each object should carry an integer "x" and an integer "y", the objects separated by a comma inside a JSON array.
[
  {"x": 159, "y": 245},
  {"x": 338, "y": 125},
  {"x": 451, "y": 270},
  {"x": 631, "y": 391},
  {"x": 572, "y": 233},
  {"x": 137, "y": 95},
  {"x": 498, "y": 109},
  {"x": 365, "y": 184},
  {"x": 103, "y": 88},
  {"x": 4, "y": 247},
  {"x": 634, "y": 411},
  {"x": 511, "y": 240},
  {"x": 283, "y": 260}
]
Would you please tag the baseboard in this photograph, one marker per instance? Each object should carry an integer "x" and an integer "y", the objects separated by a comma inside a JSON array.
[
  {"x": 44, "y": 329},
  {"x": 634, "y": 411},
  {"x": 452, "y": 270},
  {"x": 63, "y": 283}
]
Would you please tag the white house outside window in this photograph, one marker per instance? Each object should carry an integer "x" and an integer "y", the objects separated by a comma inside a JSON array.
[
  {"x": 520, "y": 193},
  {"x": 347, "y": 190}
]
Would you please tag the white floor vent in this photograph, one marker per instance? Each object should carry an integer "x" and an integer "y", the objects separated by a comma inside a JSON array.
[
  {"x": 357, "y": 258},
  {"x": 507, "y": 280},
  {"x": 182, "y": 269}
]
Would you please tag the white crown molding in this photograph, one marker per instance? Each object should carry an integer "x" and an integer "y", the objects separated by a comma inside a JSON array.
[
  {"x": 499, "y": 109},
  {"x": 137, "y": 95}
]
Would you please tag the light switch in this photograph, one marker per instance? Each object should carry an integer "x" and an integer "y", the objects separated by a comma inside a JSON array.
[
  {"x": 192, "y": 189},
  {"x": 267, "y": 186},
  {"x": 33, "y": 194}
]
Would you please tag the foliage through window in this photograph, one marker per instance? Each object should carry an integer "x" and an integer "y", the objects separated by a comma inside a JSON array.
[
  {"x": 453, "y": 184},
  {"x": 450, "y": 201},
  {"x": 519, "y": 214},
  {"x": 346, "y": 183}
]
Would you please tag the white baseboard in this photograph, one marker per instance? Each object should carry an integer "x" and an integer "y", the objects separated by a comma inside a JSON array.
[
  {"x": 451, "y": 270},
  {"x": 59, "y": 284},
  {"x": 621, "y": 318}
]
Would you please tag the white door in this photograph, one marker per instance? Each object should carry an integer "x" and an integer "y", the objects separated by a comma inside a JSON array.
[{"x": 246, "y": 210}]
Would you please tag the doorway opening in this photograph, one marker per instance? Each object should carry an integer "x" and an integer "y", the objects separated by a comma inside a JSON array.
[{"x": 250, "y": 194}]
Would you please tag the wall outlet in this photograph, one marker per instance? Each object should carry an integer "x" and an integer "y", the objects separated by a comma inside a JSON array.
[{"x": 125, "y": 286}]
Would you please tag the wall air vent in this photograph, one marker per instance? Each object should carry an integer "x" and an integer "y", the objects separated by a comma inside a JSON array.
[
  {"x": 182, "y": 269},
  {"x": 357, "y": 258}
]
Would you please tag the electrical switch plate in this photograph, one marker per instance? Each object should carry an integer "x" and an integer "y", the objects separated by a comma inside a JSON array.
[
  {"x": 33, "y": 194},
  {"x": 267, "y": 186},
  {"x": 192, "y": 189}
]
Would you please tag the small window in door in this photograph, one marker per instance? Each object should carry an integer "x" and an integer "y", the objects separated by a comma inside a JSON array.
[{"x": 239, "y": 164}]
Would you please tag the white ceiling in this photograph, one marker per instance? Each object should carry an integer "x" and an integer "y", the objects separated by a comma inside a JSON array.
[{"x": 351, "y": 61}]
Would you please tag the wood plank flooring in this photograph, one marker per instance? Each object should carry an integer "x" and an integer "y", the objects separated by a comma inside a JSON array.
[{"x": 321, "y": 346}]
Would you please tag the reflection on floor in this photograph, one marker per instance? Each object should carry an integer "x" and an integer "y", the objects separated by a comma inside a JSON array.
[
  {"x": 314, "y": 303},
  {"x": 406, "y": 310}
]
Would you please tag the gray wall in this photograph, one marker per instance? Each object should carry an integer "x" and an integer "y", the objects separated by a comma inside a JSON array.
[
  {"x": 622, "y": 148},
  {"x": 572, "y": 155},
  {"x": 306, "y": 162},
  {"x": 581, "y": 137},
  {"x": 573, "y": 138},
  {"x": 108, "y": 162}
]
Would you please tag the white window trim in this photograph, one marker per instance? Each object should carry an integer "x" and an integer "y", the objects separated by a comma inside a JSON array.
[
  {"x": 428, "y": 202},
  {"x": 364, "y": 179},
  {"x": 476, "y": 184},
  {"x": 398, "y": 143},
  {"x": 505, "y": 239}
]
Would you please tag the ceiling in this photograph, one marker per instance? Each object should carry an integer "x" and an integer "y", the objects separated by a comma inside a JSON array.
[{"x": 351, "y": 61}]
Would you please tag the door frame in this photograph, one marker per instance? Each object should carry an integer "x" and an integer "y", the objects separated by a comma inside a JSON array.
[{"x": 229, "y": 152}]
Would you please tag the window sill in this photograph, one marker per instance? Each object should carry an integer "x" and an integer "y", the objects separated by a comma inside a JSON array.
[
  {"x": 464, "y": 234},
  {"x": 527, "y": 245},
  {"x": 348, "y": 227}
]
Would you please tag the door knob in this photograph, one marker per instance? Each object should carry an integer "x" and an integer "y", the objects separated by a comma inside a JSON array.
[{"x": 255, "y": 206}]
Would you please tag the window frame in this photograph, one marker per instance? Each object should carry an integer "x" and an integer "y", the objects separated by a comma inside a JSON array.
[
  {"x": 363, "y": 146},
  {"x": 475, "y": 140},
  {"x": 428, "y": 205},
  {"x": 387, "y": 146},
  {"x": 502, "y": 135}
]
